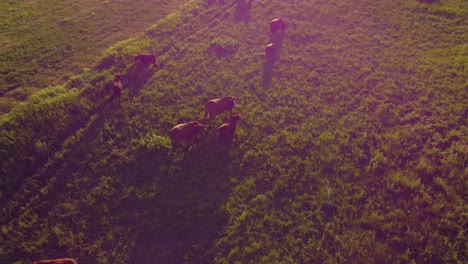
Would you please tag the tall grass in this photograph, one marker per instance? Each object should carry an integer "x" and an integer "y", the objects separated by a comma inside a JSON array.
[{"x": 351, "y": 147}]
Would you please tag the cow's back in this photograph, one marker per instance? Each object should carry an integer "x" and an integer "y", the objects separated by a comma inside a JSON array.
[
  {"x": 270, "y": 50},
  {"x": 211, "y": 104},
  {"x": 184, "y": 131},
  {"x": 224, "y": 129},
  {"x": 223, "y": 104},
  {"x": 277, "y": 24},
  {"x": 56, "y": 261},
  {"x": 176, "y": 131}
]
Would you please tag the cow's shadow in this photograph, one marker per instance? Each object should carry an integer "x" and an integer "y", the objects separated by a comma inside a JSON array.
[
  {"x": 105, "y": 63},
  {"x": 243, "y": 10},
  {"x": 137, "y": 76},
  {"x": 111, "y": 61},
  {"x": 268, "y": 65},
  {"x": 186, "y": 214},
  {"x": 277, "y": 37},
  {"x": 267, "y": 72}
]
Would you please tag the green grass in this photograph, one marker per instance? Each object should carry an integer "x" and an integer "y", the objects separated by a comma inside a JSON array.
[
  {"x": 352, "y": 146},
  {"x": 43, "y": 44}
]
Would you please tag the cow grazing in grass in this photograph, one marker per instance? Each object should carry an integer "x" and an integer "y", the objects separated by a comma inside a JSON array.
[
  {"x": 227, "y": 130},
  {"x": 56, "y": 261},
  {"x": 220, "y": 105},
  {"x": 270, "y": 51},
  {"x": 276, "y": 25},
  {"x": 117, "y": 87},
  {"x": 185, "y": 132},
  {"x": 146, "y": 58}
]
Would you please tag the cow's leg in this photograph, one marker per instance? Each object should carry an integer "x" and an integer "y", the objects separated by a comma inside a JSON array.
[
  {"x": 188, "y": 144},
  {"x": 174, "y": 144},
  {"x": 221, "y": 137}
]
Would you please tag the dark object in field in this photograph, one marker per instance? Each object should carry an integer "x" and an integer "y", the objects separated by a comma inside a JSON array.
[
  {"x": 186, "y": 131},
  {"x": 220, "y": 105},
  {"x": 227, "y": 130},
  {"x": 146, "y": 58},
  {"x": 56, "y": 261},
  {"x": 270, "y": 51},
  {"x": 276, "y": 25},
  {"x": 117, "y": 86}
]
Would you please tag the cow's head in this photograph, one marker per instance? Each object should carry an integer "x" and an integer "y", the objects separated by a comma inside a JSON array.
[{"x": 235, "y": 101}]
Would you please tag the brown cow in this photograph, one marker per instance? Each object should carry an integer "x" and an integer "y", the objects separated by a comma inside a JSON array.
[
  {"x": 220, "y": 105},
  {"x": 226, "y": 130},
  {"x": 117, "y": 86},
  {"x": 186, "y": 131},
  {"x": 146, "y": 58},
  {"x": 277, "y": 24},
  {"x": 56, "y": 261},
  {"x": 270, "y": 51}
]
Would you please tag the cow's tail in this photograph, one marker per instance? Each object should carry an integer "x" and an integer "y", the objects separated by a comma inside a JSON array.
[
  {"x": 207, "y": 111},
  {"x": 173, "y": 137}
]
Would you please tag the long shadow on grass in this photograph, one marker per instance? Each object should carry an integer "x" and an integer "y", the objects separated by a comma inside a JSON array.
[
  {"x": 269, "y": 63},
  {"x": 185, "y": 218},
  {"x": 56, "y": 175},
  {"x": 137, "y": 76},
  {"x": 267, "y": 73}
]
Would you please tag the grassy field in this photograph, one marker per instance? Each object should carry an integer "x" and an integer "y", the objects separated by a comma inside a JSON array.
[
  {"x": 44, "y": 44},
  {"x": 352, "y": 148}
]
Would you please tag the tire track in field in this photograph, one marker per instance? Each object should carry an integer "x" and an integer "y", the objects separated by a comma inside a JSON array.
[{"x": 207, "y": 25}]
